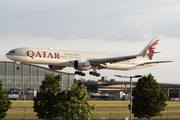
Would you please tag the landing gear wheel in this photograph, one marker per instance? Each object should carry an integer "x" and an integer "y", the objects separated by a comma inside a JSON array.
[
  {"x": 98, "y": 74},
  {"x": 83, "y": 74},
  {"x": 76, "y": 72},
  {"x": 94, "y": 73},
  {"x": 18, "y": 68},
  {"x": 80, "y": 73}
]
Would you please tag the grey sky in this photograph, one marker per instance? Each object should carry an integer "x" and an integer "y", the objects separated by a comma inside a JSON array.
[{"x": 103, "y": 26}]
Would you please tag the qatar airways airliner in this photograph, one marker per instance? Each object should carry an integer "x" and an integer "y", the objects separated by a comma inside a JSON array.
[{"x": 59, "y": 59}]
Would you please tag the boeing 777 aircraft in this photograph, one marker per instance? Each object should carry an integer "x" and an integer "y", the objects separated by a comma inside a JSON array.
[{"x": 59, "y": 59}]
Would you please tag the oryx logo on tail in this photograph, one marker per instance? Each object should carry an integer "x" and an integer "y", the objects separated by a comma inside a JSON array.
[
  {"x": 20, "y": 92},
  {"x": 150, "y": 48}
]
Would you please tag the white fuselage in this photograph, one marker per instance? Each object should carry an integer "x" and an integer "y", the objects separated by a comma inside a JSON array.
[{"x": 67, "y": 58}]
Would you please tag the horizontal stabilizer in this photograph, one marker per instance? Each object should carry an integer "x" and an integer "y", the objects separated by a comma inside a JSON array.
[{"x": 157, "y": 62}]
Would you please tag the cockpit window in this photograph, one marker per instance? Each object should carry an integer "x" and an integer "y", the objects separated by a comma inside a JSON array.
[{"x": 12, "y": 51}]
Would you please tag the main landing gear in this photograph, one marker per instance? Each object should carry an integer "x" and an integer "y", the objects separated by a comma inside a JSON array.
[
  {"x": 80, "y": 73},
  {"x": 94, "y": 73}
]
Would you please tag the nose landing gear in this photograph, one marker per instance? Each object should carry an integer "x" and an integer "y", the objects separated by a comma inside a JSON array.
[
  {"x": 18, "y": 65},
  {"x": 18, "y": 68}
]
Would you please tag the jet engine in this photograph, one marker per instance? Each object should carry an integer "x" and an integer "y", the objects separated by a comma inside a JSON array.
[
  {"x": 53, "y": 67},
  {"x": 82, "y": 65}
]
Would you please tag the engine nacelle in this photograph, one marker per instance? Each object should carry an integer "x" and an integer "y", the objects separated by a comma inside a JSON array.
[
  {"x": 53, "y": 67},
  {"x": 82, "y": 65}
]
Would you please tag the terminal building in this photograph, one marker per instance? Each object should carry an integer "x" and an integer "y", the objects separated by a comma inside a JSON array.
[
  {"x": 112, "y": 89},
  {"x": 29, "y": 77}
]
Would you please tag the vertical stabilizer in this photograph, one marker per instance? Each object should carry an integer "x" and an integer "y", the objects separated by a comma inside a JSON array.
[
  {"x": 20, "y": 92},
  {"x": 150, "y": 48}
]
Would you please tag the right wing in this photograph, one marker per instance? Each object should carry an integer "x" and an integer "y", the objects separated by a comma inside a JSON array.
[{"x": 114, "y": 59}]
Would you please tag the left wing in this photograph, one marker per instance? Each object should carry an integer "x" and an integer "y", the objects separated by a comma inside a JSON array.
[{"x": 114, "y": 59}]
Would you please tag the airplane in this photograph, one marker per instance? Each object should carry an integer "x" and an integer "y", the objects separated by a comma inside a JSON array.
[
  {"x": 81, "y": 61},
  {"x": 15, "y": 96}
]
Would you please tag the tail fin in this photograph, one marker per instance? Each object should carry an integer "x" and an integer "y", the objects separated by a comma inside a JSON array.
[
  {"x": 20, "y": 92},
  {"x": 150, "y": 48}
]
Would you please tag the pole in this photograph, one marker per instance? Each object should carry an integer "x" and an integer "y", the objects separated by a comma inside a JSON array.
[
  {"x": 9, "y": 115},
  {"x": 24, "y": 113},
  {"x": 110, "y": 112},
  {"x": 131, "y": 99},
  {"x": 136, "y": 76}
]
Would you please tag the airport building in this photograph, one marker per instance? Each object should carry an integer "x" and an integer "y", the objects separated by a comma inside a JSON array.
[
  {"x": 112, "y": 89},
  {"x": 29, "y": 77}
]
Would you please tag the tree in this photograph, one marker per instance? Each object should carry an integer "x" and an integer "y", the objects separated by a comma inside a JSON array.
[
  {"x": 148, "y": 100},
  {"x": 46, "y": 103},
  {"x": 50, "y": 103},
  {"x": 5, "y": 103},
  {"x": 74, "y": 103}
]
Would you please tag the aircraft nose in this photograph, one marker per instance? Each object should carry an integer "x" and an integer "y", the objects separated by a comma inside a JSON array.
[
  {"x": 10, "y": 53},
  {"x": 7, "y": 55}
]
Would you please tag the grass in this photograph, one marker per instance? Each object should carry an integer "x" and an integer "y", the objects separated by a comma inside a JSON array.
[
  {"x": 21, "y": 114},
  {"x": 113, "y": 114},
  {"x": 110, "y": 103},
  {"x": 126, "y": 103},
  {"x": 173, "y": 103},
  {"x": 98, "y": 103},
  {"x": 22, "y": 103}
]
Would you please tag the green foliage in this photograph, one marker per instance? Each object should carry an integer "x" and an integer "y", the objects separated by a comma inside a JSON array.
[
  {"x": 74, "y": 103},
  {"x": 5, "y": 103},
  {"x": 50, "y": 103},
  {"x": 46, "y": 103},
  {"x": 148, "y": 100}
]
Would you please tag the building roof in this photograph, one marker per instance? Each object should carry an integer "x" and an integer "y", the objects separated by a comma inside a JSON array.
[{"x": 37, "y": 65}]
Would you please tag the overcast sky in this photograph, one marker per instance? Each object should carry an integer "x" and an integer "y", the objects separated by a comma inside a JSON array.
[{"x": 116, "y": 27}]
